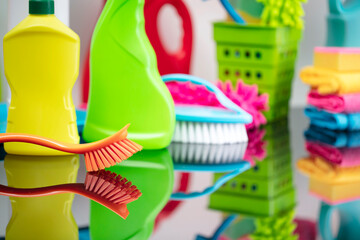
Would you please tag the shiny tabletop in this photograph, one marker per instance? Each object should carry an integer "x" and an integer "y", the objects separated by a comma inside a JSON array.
[{"x": 289, "y": 193}]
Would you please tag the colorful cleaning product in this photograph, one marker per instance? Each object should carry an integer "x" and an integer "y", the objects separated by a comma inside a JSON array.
[
  {"x": 260, "y": 55},
  {"x": 225, "y": 159},
  {"x": 342, "y": 23},
  {"x": 245, "y": 96},
  {"x": 349, "y": 223},
  {"x": 333, "y": 121},
  {"x": 168, "y": 62},
  {"x": 344, "y": 157},
  {"x": 152, "y": 172},
  {"x": 334, "y": 193},
  {"x": 345, "y": 103},
  {"x": 101, "y": 186},
  {"x": 98, "y": 155},
  {"x": 46, "y": 217},
  {"x": 206, "y": 124},
  {"x": 326, "y": 81},
  {"x": 255, "y": 195},
  {"x": 339, "y": 139},
  {"x": 41, "y": 58},
  {"x": 326, "y": 172},
  {"x": 340, "y": 59},
  {"x": 125, "y": 85}
]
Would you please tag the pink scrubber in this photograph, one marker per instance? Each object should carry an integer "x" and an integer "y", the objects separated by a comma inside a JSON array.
[
  {"x": 244, "y": 96},
  {"x": 247, "y": 97},
  {"x": 256, "y": 148},
  {"x": 188, "y": 93}
]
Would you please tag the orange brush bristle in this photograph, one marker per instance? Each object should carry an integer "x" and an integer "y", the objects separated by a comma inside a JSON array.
[
  {"x": 111, "y": 186},
  {"x": 110, "y": 155}
]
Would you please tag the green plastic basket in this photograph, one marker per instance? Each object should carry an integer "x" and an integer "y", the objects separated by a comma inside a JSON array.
[
  {"x": 277, "y": 111},
  {"x": 258, "y": 186},
  {"x": 259, "y": 55},
  {"x": 264, "y": 76},
  {"x": 255, "y": 206},
  {"x": 277, "y": 145},
  {"x": 274, "y": 129},
  {"x": 270, "y": 166}
]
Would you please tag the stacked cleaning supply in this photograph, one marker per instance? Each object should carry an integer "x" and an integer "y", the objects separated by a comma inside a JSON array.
[
  {"x": 333, "y": 164},
  {"x": 335, "y": 90},
  {"x": 333, "y": 139},
  {"x": 333, "y": 168},
  {"x": 265, "y": 195},
  {"x": 263, "y": 53}
]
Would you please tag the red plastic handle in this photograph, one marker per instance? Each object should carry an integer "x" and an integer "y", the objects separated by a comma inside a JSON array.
[{"x": 178, "y": 62}]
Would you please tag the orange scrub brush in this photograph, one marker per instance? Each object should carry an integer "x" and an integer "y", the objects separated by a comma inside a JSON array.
[{"x": 98, "y": 155}]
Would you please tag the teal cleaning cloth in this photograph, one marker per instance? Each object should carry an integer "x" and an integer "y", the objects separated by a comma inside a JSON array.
[
  {"x": 333, "y": 121},
  {"x": 338, "y": 139}
]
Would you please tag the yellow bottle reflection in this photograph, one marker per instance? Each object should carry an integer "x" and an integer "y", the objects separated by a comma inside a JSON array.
[{"x": 48, "y": 217}]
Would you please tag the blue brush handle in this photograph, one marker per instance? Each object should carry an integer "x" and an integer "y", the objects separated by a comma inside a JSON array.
[
  {"x": 221, "y": 181},
  {"x": 232, "y": 12},
  {"x": 225, "y": 224},
  {"x": 225, "y": 101}
]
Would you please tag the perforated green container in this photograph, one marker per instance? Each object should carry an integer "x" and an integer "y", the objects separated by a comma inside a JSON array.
[
  {"x": 259, "y": 55},
  {"x": 252, "y": 205},
  {"x": 270, "y": 166}
]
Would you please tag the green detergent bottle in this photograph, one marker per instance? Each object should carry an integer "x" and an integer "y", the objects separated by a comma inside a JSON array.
[
  {"x": 125, "y": 85},
  {"x": 153, "y": 173}
]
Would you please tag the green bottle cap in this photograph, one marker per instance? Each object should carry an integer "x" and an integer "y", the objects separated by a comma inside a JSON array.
[{"x": 41, "y": 6}]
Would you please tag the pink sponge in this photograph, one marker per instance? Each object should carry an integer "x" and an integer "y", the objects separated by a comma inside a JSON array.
[{"x": 244, "y": 96}]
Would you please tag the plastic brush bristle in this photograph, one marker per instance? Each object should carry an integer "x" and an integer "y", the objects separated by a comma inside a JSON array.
[
  {"x": 209, "y": 133},
  {"x": 112, "y": 187},
  {"x": 110, "y": 155},
  {"x": 186, "y": 153}
]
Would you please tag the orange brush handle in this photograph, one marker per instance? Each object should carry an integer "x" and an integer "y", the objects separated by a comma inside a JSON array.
[
  {"x": 61, "y": 146},
  {"x": 77, "y": 188}
]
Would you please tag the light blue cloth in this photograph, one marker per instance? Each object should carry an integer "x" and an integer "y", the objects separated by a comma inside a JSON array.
[
  {"x": 333, "y": 121},
  {"x": 338, "y": 139}
]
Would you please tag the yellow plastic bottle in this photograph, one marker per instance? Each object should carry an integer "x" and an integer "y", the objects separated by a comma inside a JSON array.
[
  {"x": 47, "y": 217},
  {"x": 41, "y": 58}
]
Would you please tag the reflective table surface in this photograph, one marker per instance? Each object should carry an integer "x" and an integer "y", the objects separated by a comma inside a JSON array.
[{"x": 294, "y": 190}]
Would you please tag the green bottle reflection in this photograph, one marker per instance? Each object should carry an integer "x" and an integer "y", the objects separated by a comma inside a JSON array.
[
  {"x": 41, "y": 218},
  {"x": 152, "y": 172}
]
